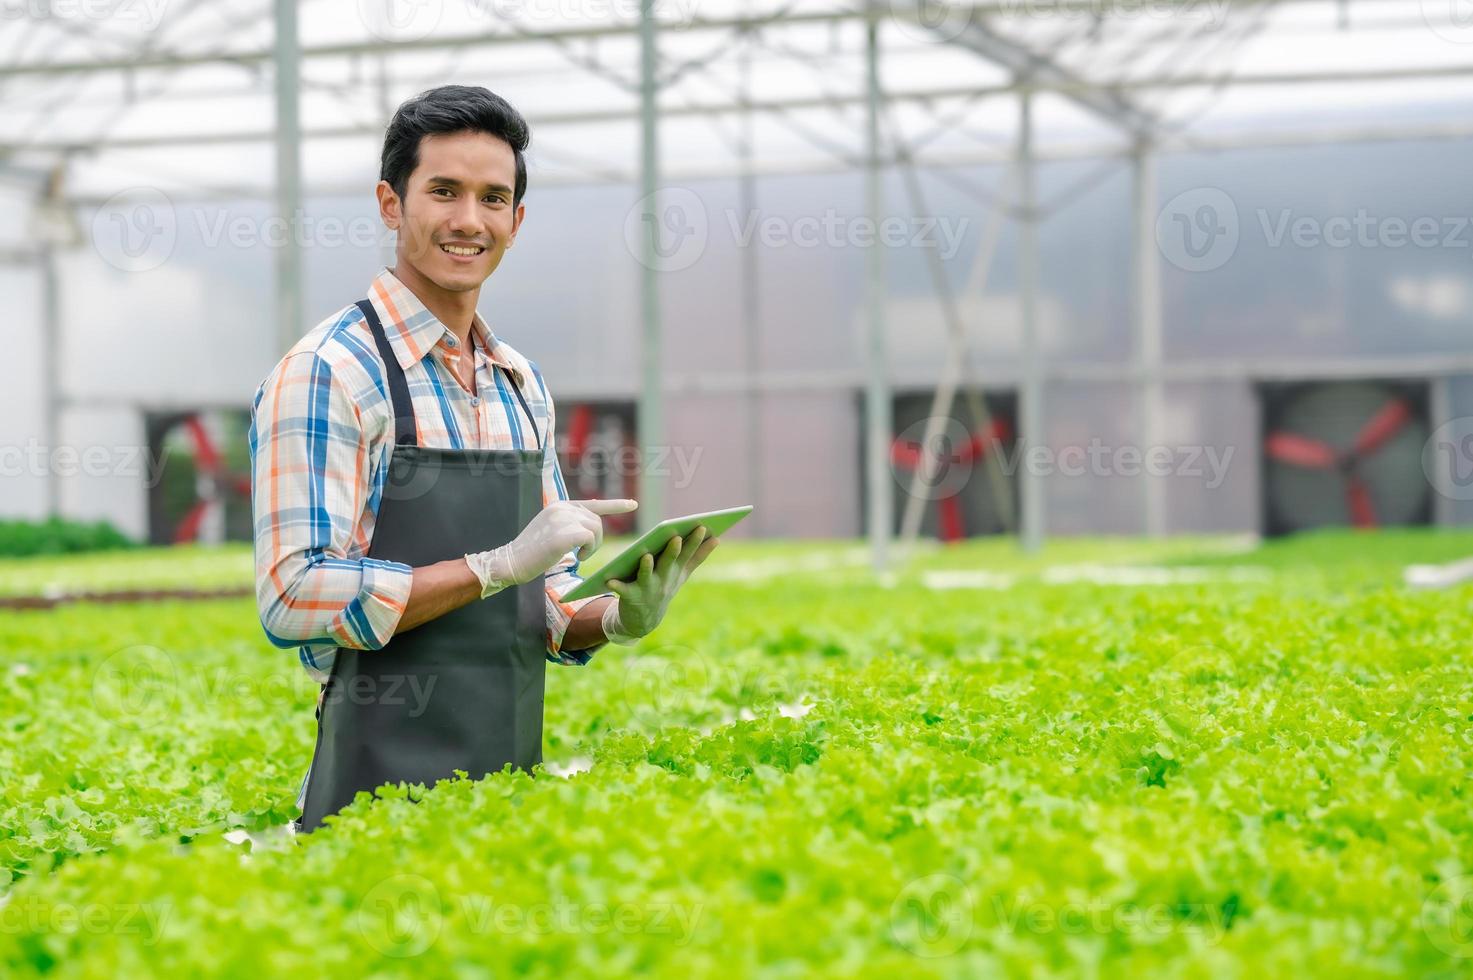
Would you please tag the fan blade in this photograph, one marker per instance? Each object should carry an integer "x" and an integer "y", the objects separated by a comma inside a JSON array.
[
  {"x": 981, "y": 443},
  {"x": 949, "y": 517},
  {"x": 204, "y": 448},
  {"x": 906, "y": 454},
  {"x": 1383, "y": 426},
  {"x": 1286, "y": 447},
  {"x": 1362, "y": 513},
  {"x": 578, "y": 430},
  {"x": 188, "y": 529}
]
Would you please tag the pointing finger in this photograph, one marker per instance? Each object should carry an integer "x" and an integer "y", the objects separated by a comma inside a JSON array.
[{"x": 605, "y": 507}]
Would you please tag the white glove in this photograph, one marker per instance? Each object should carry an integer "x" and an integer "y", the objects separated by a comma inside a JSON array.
[
  {"x": 557, "y": 529},
  {"x": 642, "y": 602}
]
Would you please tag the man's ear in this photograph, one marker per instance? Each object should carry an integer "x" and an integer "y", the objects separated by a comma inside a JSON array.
[
  {"x": 516, "y": 224},
  {"x": 389, "y": 205}
]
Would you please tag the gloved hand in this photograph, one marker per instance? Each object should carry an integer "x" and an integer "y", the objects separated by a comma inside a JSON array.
[
  {"x": 642, "y": 602},
  {"x": 557, "y": 529}
]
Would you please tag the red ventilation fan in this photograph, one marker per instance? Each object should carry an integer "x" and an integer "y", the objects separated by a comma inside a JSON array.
[
  {"x": 595, "y": 460},
  {"x": 1348, "y": 453},
  {"x": 213, "y": 480},
  {"x": 907, "y": 456}
]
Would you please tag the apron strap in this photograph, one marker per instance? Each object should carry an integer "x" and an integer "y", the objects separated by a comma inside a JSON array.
[{"x": 404, "y": 432}]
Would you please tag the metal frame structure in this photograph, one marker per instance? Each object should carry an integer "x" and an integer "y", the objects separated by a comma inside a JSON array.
[{"x": 979, "y": 28}]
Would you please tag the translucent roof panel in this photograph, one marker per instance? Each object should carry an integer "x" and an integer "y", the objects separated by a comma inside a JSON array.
[{"x": 180, "y": 94}]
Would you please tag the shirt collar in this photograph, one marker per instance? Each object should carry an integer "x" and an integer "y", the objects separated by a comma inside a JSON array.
[{"x": 413, "y": 331}]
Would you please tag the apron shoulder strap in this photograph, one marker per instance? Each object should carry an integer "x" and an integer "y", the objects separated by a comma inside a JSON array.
[{"x": 404, "y": 432}]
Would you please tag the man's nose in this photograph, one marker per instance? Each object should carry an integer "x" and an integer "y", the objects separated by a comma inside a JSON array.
[{"x": 467, "y": 219}]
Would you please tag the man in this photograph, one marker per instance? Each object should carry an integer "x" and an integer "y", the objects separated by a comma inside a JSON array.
[{"x": 412, "y": 530}]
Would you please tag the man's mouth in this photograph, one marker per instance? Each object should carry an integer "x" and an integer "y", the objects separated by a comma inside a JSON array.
[{"x": 462, "y": 250}]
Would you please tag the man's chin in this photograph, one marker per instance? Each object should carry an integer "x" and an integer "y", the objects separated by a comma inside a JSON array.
[{"x": 455, "y": 279}]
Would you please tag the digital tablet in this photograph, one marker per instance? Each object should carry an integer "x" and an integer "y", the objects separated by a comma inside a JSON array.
[{"x": 625, "y": 565}]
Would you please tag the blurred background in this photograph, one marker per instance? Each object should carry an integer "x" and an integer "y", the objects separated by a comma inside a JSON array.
[{"x": 884, "y": 269}]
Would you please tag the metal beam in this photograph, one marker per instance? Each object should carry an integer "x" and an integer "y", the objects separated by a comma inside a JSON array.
[
  {"x": 878, "y": 410},
  {"x": 651, "y": 400},
  {"x": 1032, "y": 421},
  {"x": 51, "y": 397},
  {"x": 1147, "y": 327},
  {"x": 510, "y": 34},
  {"x": 1036, "y": 71},
  {"x": 289, "y": 319},
  {"x": 704, "y": 109}
]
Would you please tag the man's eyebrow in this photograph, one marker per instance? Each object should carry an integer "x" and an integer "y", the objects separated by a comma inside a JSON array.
[{"x": 455, "y": 182}]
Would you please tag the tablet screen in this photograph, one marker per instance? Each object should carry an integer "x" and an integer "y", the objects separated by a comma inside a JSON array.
[{"x": 625, "y": 564}]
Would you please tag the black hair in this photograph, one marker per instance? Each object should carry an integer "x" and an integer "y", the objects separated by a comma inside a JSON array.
[{"x": 451, "y": 109}]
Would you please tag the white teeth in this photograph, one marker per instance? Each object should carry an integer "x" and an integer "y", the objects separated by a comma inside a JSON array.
[{"x": 457, "y": 250}]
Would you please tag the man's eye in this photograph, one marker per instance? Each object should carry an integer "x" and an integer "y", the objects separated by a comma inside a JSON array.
[{"x": 439, "y": 189}]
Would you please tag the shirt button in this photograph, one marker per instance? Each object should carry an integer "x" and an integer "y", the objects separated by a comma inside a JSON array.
[
  {"x": 453, "y": 342},
  {"x": 476, "y": 401}
]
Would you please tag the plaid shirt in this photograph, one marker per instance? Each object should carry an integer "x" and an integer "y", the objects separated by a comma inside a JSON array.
[{"x": 321, "y": 433}]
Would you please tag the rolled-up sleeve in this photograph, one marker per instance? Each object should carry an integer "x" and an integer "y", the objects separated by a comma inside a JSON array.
[
  {"x": 310, "y": 478},
  {"x": 563, "y": 577}
]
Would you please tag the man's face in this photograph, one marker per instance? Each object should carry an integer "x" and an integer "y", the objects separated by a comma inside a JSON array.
[{"x": 457, "y": 200}]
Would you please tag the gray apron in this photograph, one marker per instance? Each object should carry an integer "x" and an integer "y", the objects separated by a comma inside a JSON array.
[{"x": 463, "y": 691}]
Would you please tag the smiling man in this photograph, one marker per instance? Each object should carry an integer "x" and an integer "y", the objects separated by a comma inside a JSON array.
[{"x": 413, "y": 536}]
